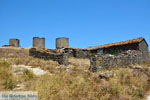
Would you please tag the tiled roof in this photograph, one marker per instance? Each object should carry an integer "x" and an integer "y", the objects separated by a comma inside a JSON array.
[
  {"x": 117, "y": 43},
  {"x": 73, "y": 48}
]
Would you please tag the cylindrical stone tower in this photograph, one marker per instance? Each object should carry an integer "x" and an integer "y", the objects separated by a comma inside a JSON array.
[
  {"x": 38, "y": 42},
  {"x": 14, "y": 42},
  {"x": 62, "y": 42}
]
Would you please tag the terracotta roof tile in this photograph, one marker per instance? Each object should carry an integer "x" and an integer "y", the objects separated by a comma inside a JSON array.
[
  {"x": 73, "y": 48},
  {"x": 117, "y": 43}
]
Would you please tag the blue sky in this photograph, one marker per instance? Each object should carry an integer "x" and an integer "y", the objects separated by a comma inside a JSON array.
[{"x": 85, "y": 22}]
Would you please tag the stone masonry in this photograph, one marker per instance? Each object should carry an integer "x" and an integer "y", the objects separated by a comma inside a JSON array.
[
  {"x": 98, "y": 62},
  {"x": 61, "y": 58},
  {"x": 14, "y": 42}
]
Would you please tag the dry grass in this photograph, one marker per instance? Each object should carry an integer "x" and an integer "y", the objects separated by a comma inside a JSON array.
[
  {"x": 87, "y": 86},
  {"x": 35, "y": 62},
  {"x": 78, "y": 83},
  {"x": 7, "y": 81}
]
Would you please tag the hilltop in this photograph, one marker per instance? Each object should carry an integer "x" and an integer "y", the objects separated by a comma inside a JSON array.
[{"x": 74, "y": 81}]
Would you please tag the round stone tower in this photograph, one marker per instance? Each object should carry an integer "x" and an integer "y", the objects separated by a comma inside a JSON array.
[
  {"x": 38, "y": 42},
  {"x": 14, "y": 42},
  {"x": 62, "y": 42}
]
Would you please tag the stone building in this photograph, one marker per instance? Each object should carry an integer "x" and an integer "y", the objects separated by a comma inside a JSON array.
[
  {"x": 62, "y": 42},
  {"x": 38, "y": 42},
  {"x": 49, "y": 54},
  {"x": 98, "y": 62},
  {"x": 14, "y": 42},
  {"x": 118, "y": 47},
  {"x": 114, "y": 48},
  {"x": 77, "y": 52}
]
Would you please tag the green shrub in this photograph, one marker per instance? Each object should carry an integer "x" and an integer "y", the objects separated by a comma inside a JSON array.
[
  {"x": 5, "y": 72},
  {"x": 9, "y": 84},
  {"x": 5, "y": 64},
  {"x": 28, "y": 75},
  {"x": 6, "y": 76}
]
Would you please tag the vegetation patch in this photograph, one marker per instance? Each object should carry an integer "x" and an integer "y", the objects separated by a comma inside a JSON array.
[{"x": 75, "y": 81}]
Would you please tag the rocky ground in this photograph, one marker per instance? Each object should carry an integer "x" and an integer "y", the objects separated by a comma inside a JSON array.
[{"x": 73, "y": 82}]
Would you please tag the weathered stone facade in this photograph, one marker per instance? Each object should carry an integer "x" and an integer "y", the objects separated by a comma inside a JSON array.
[
  {"x": 14, "y": 42},
  {"x": 61, "y": 58},
  {"x": 77, "y": 53},
  {"x": 62, "y": 42},
  {"x": 115, "y": 54},
  {"x": 143, "y": 47},
  {"x": 118, "y": 49},
  {"x": 115, "y": 48},
  {"x": 38, "y": 42},
  {"x": 99, "y": 62}
]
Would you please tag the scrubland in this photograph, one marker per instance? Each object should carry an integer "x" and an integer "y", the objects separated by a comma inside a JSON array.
[{"x": 75, "y": 81}]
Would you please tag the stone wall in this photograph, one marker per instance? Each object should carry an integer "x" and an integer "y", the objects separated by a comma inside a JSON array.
[
  {"x": 98, "y": 62},
  {"x": 61, "y": 58},
  {"x": 78, "y": 53},
  {"x": 117, "y": 49},
  {"x": 81, "y": 54},
  {"x": 143, "y": 47}
]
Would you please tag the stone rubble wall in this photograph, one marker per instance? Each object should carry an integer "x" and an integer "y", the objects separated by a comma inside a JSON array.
[
  {"x": 98, "y": 62},
  {"x": 61, "y": 58},
  {"x": 78, "y": 53},
  {"x": 82, "y": 54}
]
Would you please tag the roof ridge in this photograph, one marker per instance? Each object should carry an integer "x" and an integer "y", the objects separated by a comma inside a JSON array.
[{"x": 136, "y": 40}]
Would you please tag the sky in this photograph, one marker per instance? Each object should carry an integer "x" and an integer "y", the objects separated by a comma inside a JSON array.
[{"x": 85, "y": 22}]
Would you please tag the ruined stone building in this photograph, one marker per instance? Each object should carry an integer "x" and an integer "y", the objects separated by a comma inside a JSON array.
[
  {"x": 118, "y": 47},
  {"x": 130, "y": 51},
  {"x": 77, "y": 52},
  {"x": 62, "y": 42},
  {"x": 114, "y": 48},
  {"x": 119, "y": 54},
  {"x": 38, "y": 42},
  {"x": 14, "y": 42}
]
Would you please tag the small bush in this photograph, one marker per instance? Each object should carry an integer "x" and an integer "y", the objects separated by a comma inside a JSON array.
[
  {"x": 9, "y": 84},
  {"x": 6, "y": 76},
  {"x": 75, "y": 82},
  {"x": 28, "y": 75},
  {"x": 5, "y": 64},
  {"x": 5, "y": 71}
]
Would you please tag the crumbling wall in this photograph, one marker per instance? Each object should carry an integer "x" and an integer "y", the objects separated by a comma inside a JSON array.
[
  {"x": 81, "y": 54},
  {"x": 98, "y": 62},
  {"x": 61, "y": 58},
  {"x": 78, "y": 53}
]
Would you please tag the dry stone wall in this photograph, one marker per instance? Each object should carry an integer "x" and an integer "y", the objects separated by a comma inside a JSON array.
[
  {"x": 61, "y": 58},
  {"x": 82, "y": 54},
  {"x": 98, "y": 62},
  {"x": 78, "y": 53}
]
